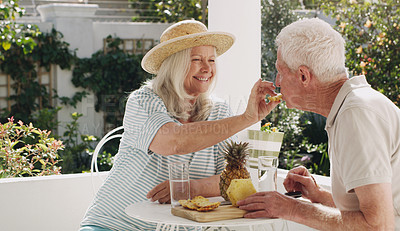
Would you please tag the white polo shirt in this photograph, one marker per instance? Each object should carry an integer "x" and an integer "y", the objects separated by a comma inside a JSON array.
[{"x": 363, "y": 129}]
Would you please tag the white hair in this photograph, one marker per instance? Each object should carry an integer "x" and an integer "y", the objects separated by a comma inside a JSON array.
[
  {"x": 315, "y": 44},
  {"x": 169, "y": 85}
]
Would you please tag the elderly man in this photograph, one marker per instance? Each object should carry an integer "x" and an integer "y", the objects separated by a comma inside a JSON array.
[{"x": 363, "y": 128}]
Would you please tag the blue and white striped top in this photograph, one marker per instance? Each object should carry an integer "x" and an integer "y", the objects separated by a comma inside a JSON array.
[{"x": 137, "y": 170}]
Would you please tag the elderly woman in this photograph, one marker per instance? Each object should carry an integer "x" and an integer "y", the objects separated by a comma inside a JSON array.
[{"x": 173, "y": 118}]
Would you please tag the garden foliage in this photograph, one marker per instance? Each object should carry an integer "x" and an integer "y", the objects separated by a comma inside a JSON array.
[
  {"x": 79, "y": 148},
  {"x": 372, "y": 33},
  {"x": 27, "y": 151},
  {"x": 13, "y": 34},
  {"x": 29, "y": 96}
]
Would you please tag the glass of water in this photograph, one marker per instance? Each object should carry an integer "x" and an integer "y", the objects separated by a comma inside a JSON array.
[
  {"x": 267, "y": 173},
  {"x": 179, "y": 182}
]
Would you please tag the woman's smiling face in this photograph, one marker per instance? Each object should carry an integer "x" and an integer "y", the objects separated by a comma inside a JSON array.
[{"x": 202, "y": 70}]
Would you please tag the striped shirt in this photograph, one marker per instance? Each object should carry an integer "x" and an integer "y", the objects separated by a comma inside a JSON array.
[{"x": 137, "y": 170}]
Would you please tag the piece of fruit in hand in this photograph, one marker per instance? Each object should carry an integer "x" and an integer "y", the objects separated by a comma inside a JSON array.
[{"x": 278, "y": 97}]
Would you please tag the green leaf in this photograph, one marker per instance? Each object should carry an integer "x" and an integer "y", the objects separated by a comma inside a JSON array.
[
  {"x": 44, "y": 147},
  {"x": 36, "y": 132},
  {"x": 15, "y": 143}
]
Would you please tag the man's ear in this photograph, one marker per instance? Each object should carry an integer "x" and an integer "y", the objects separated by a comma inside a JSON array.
[{"x": 305, "y": 75}]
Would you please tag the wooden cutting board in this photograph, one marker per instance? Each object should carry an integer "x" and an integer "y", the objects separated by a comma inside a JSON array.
[{"x": 223, "y": 212}]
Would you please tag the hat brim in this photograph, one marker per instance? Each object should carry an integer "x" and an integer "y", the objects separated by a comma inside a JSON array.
[{"x": 152, "y": 61}]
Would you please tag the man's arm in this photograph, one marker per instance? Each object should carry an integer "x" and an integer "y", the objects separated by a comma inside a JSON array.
[
  {"x": 376, "y": 210},
  {"x": 376, "y": 205}
]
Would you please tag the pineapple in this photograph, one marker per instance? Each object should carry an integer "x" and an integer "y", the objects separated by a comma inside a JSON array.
[
  {"x": 235, "y": 155},
  {"x": 239, "y": 190}
]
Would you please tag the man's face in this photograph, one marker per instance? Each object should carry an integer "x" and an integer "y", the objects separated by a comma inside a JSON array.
[{"x": 290, "y": 84}]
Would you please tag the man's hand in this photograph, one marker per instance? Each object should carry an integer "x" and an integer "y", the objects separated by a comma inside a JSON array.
[
  {"x": 299, "y": 179},
  {"x": 268, "y": 205}
]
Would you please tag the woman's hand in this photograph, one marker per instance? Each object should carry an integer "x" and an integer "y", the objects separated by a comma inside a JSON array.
[
  {"x": 206, "y": 187},
  {"x": 160, "y": 193},
  {"x": 257, "y": 108}
]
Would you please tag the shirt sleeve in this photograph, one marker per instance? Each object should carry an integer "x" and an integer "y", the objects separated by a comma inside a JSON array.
[
  {"x": 144, "y": 115},
  {"x": 362, "y": 148}
]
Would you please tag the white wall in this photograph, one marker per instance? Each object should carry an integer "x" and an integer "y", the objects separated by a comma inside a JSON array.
[
  {"x": 240, "y": 67},
  {"x": 46, "y": 203}
]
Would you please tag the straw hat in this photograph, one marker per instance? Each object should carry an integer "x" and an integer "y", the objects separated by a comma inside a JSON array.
[{"x": 183, "y": 35}]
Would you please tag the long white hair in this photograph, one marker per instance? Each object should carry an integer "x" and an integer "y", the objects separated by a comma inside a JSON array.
[
  {"x": 315, "y": 44},
  {"x": 169, "y": 85}
]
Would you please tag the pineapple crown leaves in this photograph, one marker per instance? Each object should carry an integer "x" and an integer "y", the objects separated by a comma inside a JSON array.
[{"x": 236, "y": 152}]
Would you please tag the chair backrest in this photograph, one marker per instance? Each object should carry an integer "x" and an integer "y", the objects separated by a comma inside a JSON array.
[{"x": 109, "y": 136}]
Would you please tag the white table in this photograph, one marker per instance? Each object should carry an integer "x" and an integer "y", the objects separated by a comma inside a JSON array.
[{"x": 161, "y": 215}]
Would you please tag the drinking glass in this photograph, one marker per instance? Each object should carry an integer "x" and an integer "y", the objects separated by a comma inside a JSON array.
[
  {"x": 179, "y": 182},
  {"x": 267, "y": 173}
]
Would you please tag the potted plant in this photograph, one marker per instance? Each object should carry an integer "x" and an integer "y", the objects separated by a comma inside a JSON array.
[{"x": 264, "y": 142}]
